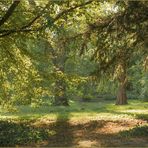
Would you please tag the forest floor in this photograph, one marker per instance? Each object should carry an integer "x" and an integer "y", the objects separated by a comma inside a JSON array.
[{"x": 82, "y": 124}]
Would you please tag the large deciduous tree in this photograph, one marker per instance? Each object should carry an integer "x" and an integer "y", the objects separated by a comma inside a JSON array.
[
  {"x": 114, "y": 35},
  {"x": 38, "y": 20},
  {"x": 119, "y": 36}
]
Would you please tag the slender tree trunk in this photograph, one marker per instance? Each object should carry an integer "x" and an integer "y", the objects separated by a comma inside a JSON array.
[{"x": 121, "y": 94}]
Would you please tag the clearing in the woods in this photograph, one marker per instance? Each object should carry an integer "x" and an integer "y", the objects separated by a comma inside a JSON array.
[{"x": 83, "y": 124}]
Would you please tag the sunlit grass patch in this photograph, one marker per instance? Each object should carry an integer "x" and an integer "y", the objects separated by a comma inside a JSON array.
[{"x": 81, "y": 110}]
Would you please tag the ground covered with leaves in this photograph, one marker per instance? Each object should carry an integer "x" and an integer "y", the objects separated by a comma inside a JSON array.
[{"x": 84, "y": 124}]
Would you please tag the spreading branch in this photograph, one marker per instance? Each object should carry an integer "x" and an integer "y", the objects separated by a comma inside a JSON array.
[
  {"x": 9, "y": 12},
  {"x": 57, "y": 17}
]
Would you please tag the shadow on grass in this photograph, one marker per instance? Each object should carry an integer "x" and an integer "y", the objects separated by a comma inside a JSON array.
[
  {"x": 135, "y": 132},
  {"x": 142, "y": 117},
  {"x": 12, "y": 134},
  {"x": 59, "y": 133},
  {"x": 56, "y": 134},
  {"x": 63, "y": 133}
]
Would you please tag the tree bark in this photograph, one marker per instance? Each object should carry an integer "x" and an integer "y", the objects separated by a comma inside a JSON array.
[{"x": 121, "y": 94}]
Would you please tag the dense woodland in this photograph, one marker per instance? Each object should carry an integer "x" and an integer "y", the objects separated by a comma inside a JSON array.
[{"x": 55, "y": 52}]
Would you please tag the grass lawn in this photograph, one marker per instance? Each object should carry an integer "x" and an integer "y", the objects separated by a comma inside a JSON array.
[{"x": 82, "y": 124}]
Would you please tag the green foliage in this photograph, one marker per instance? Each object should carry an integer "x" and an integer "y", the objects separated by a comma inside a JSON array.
[
  {"x": 138, "y": 82},
  {"x": 40, "y": 54},
  {"x": 77, "y": 53}
]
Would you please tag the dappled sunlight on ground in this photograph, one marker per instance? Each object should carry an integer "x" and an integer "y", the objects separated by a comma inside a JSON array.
[
  {"x": 87, "y": 143},
  {"x": 144, "y": 111},
  {"x": 81, "y": 125},
  {"x": 65, "y": 132}
]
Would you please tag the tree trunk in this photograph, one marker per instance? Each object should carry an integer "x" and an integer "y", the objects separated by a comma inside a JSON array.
[
  {"x": 60, "y": 100},
  {"x": 121, "y": 95}
]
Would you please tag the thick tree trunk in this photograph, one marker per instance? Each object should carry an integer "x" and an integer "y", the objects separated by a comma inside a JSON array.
[{"x": 121, "y": 94}]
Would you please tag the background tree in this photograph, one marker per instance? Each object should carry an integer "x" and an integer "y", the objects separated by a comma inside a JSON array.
[{"x": 116, "y": 38}]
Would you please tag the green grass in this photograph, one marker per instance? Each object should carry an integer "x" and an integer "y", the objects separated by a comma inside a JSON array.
[
  {"x": 82, "y": 110},
  {"x": 135, "y": 132},
  {"x": 54, "y": 126}
]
